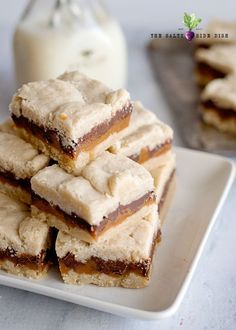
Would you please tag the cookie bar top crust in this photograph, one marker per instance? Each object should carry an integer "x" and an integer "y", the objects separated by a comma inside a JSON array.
[
  {"x": 219, "y": 57},
  {"x": 221, "y": 93},
  {"x": 146, "y": 136},
  {"x": 107, "y": 184},
  {"x": 19, "y": 232},
  {"x": 94, "y": 90},
  {"x": 74, "y": 111},
  {"x": 119, "y": 177},
  {"x": 19, "y": 158},
  {"x": 125, "y": 250}
]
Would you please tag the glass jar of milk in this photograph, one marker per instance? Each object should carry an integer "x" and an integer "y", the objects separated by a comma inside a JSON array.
[{"x": 54, "y": 36}]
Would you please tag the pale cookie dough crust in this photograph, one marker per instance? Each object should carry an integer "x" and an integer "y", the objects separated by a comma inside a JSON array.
[{"x": 131, "y": 281}]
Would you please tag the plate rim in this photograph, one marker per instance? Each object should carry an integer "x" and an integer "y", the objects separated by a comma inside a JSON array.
[{"x": 126, "y": 311}]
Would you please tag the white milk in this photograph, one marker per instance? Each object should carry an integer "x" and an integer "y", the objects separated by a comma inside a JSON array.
[{"x": 43, "y": 52}]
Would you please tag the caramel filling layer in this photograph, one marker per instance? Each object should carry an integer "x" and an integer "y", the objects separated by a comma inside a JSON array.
[
  {"x": 8, "y": 177},
  {"x": 146, "y": 153},
  {"x": 224, "y": 113},
  {"x": 87, "y": 142},
  {"x": 114, "y": 218},
  {"x": 96, "y": 265},
  {"x": 37, "y": 262},
  {"x": 208, "y": 72}
]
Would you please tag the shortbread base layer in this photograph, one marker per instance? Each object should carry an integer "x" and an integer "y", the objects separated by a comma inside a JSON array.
[
  {"x": 23, "y": 270},
  {"x": 15, "y": 191},
  {"x": 223, "y": 123},
  {"x": 78, "y": 227},
  {"x": 204, "y": 74},
  {"x": 73, "y": 163},
  {"x": 131, "y": 281}
]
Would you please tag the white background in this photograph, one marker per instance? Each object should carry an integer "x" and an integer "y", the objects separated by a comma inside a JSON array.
[{"x": 210, "y": 302}]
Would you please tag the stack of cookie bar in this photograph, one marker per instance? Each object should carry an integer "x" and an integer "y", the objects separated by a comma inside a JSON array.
[
  {"x": 216, "y": 71},
  {"x": 93, "y": 165},
  {"x": 148, "y": 141}
]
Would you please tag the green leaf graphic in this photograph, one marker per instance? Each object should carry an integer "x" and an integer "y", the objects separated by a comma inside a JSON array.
[{"x": 191, "y": 21}]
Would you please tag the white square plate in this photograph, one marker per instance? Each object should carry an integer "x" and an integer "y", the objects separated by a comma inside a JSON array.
[{"x": 203, "y": 181}]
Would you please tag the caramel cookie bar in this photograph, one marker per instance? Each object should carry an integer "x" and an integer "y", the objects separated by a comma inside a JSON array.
[
  {"x": 218, "y": 104},
  {"x": 145, "y": 138},
  {"x": 25, "y": 241},
  {"x": 123, "y": 259},
  {"x": 72, "y": 119},
  {"x": 216, "y": 32},
  {"x": 19, "y": 161},
  {"x": 215, "y": 62},
  {"x": 109, "y": 189}
]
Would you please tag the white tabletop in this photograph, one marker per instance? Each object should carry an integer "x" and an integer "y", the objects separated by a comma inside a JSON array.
[{"x": 210, "y": 302}]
